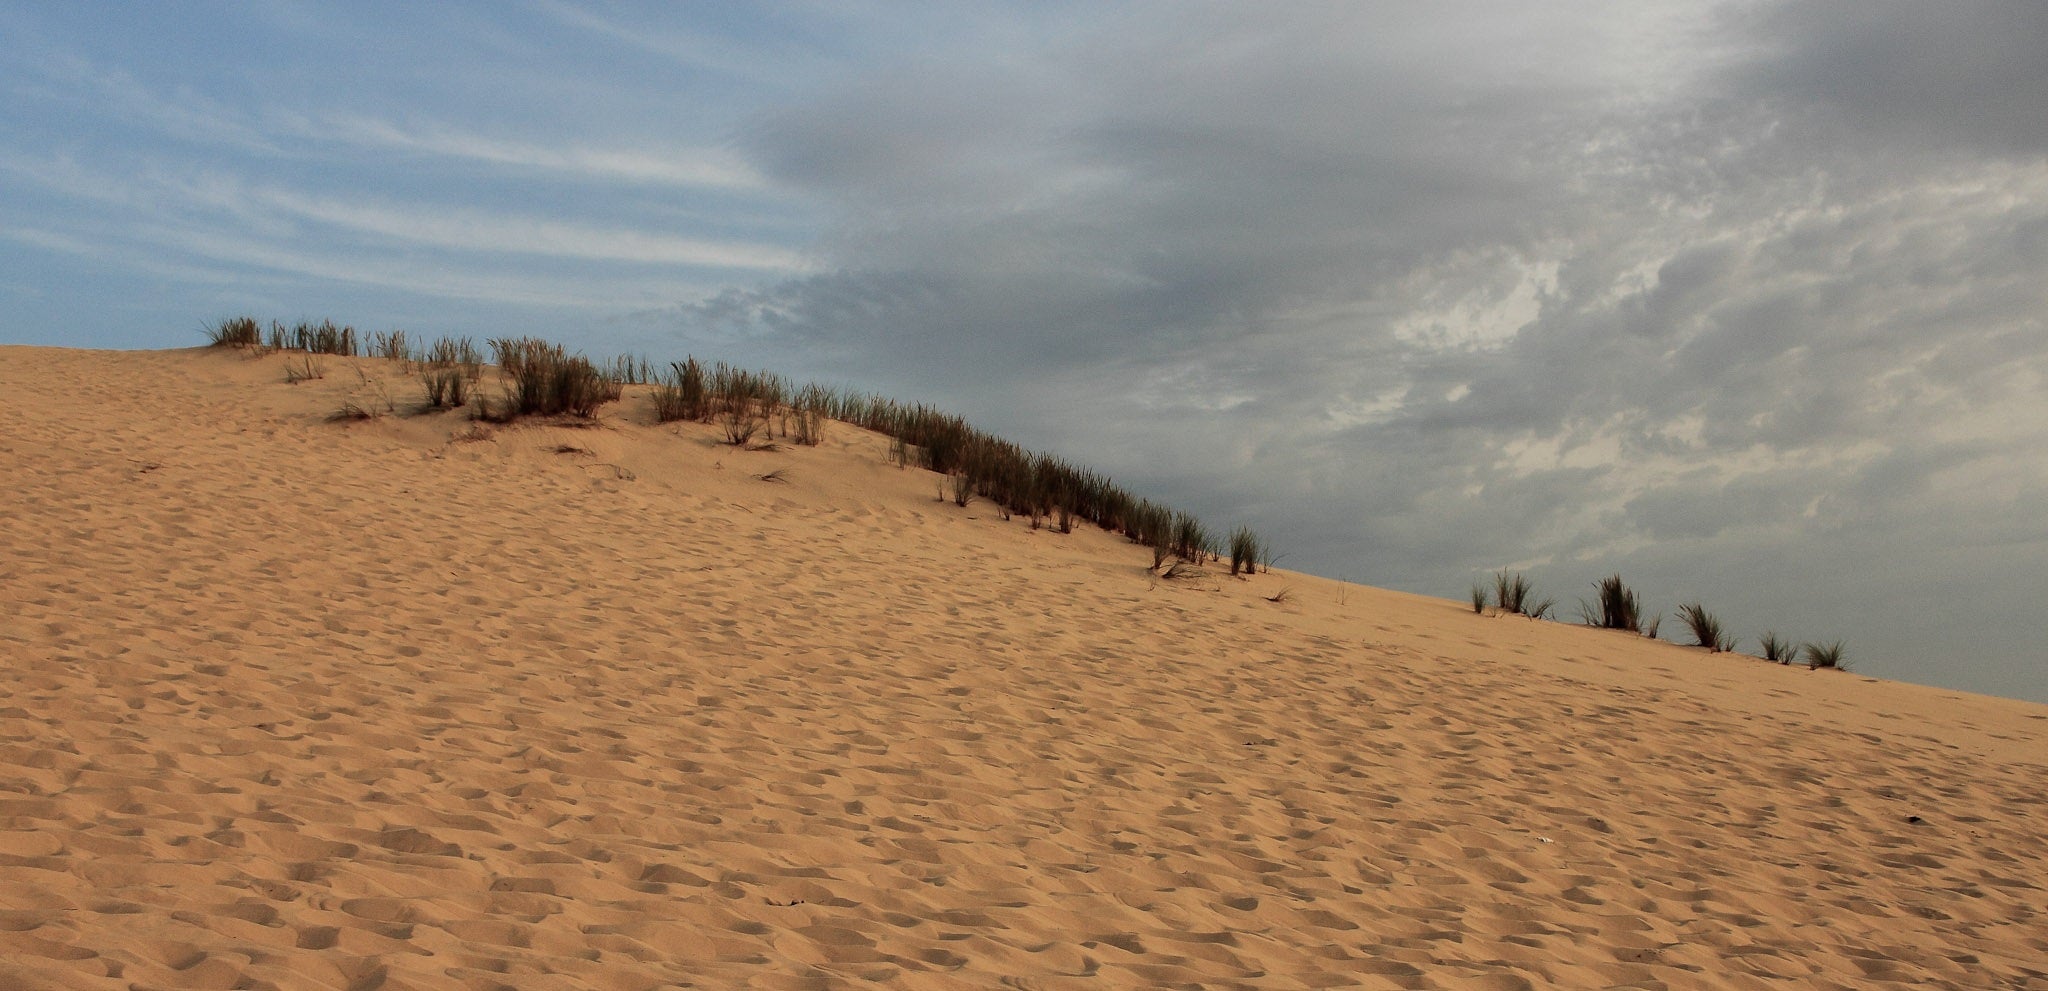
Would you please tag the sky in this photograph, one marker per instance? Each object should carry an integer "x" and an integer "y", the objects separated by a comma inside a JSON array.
[{"x": 1744, "y": 301}]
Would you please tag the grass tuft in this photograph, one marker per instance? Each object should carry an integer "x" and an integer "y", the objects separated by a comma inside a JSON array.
[
  {"x": 1706, "y": 628},
  {"x": 740, "y": 424},
  {"x": 391, "y": 346},
  {"x": 1781, "y": 651},
  {"x": 679, "y": 394},
  {"x": 1616, "y": 607},
  {"x": 1511, "y": 592},
  {"x": 1245, "y": 552},
  {"x": 542, "y": 380},
  {"x": 1825, "y": 655},
  {"x": 304, "y": 368},
  {"x": 236, "y": 332},
  {"x": 321, "y": 338}
]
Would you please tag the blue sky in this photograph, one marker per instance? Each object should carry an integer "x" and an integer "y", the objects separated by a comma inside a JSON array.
[{"x": 1744, "y": 300}]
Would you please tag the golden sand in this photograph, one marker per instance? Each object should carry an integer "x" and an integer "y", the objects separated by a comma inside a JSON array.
[{"x": 298, "y": 704}]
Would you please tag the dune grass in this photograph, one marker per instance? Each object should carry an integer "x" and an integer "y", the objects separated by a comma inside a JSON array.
[
  {"x": 679, "y": 394},
  {"x": 1245, "y": 552},
  {"x": 314, "y": 338},
  {"x": 1617, "y": 607},
  {"x": 448, "y": 369},
  {"x": 391, "y": 346},
  {"x": 236, "y": 332},
  {"x": 1706, "y": 628},
  {"x": 1513, "y": 595},
  {"x": 304, "y": 368},
  {"x": 1825, "y": 655},
  {"x": 1774, "y": 649},
  {"x": 541, "y": 379}
]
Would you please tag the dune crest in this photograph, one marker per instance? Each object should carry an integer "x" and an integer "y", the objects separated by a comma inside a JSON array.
[{"x": 397, "y": 704}]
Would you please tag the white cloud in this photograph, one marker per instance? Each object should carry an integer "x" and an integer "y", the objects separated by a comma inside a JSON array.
[
  {"x": 496, "y": 231},
  {"x": 684, "y": 167}
]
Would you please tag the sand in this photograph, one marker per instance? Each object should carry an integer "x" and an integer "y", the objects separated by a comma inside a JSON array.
[{"x": 298, "y": 704}]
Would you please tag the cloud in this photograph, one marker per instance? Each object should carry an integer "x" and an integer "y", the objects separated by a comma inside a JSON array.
[
  {"x": 685, "y": 167},
  {"x": 1966, "y": 73},
  {"x": 472, "y": 230},
  {"x": 1427, "y": 304}
]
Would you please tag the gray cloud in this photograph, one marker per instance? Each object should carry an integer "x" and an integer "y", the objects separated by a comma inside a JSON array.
[
  {"x": 1419, "y": 305},
  {"x": 1967, "y": 72}
]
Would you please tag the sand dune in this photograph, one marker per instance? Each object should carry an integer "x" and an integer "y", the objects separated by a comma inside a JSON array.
[{"x": 299, "y": 704}]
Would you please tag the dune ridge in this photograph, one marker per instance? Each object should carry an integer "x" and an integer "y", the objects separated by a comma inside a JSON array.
[{"x": 301, "y": 704}]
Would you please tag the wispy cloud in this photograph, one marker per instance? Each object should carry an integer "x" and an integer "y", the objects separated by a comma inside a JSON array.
[
  {"x": 497, "y": 231},
  {"x": 687, "y": 167}
]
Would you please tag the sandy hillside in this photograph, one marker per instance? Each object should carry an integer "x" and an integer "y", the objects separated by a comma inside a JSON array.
[{"x": 297, "y": 704}]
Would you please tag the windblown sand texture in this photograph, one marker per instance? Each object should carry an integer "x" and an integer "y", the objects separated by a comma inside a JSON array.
[{"x": 298, "y": 704}]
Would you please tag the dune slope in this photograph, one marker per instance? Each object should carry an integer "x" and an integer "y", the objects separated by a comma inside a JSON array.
[{"x": 298, "y": 704}]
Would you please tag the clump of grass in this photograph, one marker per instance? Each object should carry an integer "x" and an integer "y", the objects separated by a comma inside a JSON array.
[
  {"x": 1152, "y": 526},
  {"x": 304, "y": 368},
  {"x": 321, "y": 338},
  {"x": 445, "y": 387},
  {"x": 679, "y": 395},
  {"x": 628, "y": 370},
  {"x": 236, "y": 332},
  {"x": 1513, "y": 595},
  {"x": 807, "y": 412},
  {"x": 960, "y": 489},
  {"x": 447, "y": 369},
  {"x": 1245, "y": 552},
  {"x": 391, "y": 346},
  {"x": 1825, "y": 655},
  {"x": 1781, "y": 651},
  {"x": 1191, "y": 540},
  {"x": 542, "y": 380},
  {"x": 1509, "y": 591},
  {"x": 1617, "y": 607},
  {"x": 1706, "y": 628},
  {"x": 740, "y": 423}
]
